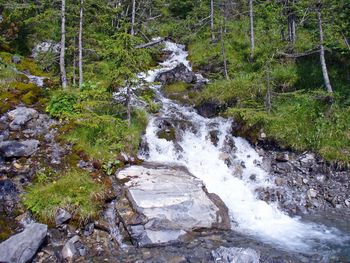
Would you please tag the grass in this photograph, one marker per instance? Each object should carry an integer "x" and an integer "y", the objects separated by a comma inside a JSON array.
[
  {"x": 75, "y": 191},
  {"x": 302, "y": 121}
]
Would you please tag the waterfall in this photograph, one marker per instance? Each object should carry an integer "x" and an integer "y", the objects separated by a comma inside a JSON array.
[{"x": 232, "y": 183}]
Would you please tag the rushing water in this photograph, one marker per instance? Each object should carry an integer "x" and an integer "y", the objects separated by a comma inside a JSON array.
[{"x": 208, "y": 162}]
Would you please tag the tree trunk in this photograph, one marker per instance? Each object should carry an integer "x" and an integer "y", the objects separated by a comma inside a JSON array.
[
  {"x": 252, "y": 38},
  {"x": 291, "y": 22},
  {"x": 80, "y": 45},
  {"x": 327, "y": 82},
  {"x": 63, "y": 45},
  {"x": 132, "y": 32},
  {"x": 222, "y": 38},
  {"x": 74, "y": 64},
  {"x": 128, "y": 103},
  {"x": 212, "y": 20}
]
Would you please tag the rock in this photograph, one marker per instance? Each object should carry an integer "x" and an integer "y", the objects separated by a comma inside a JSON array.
[
  {"x": 62, "y": 216},
  {"x": 18, "y": 148},
  {"x": 69, "y": 250},
  {"x": 208, "y": 109},
  {"x": 20, "y": 116},
  {"x": 16, "y": 59},
  {"x": 8, "y": 195},
  {"x": 280, "y": 181},
  {"x": 307, "y": 160},
  {"x": 312, "y": 193},
  {"x": 89, "y": 229},
  {"x": 234, "y": 254},
  {"x": 282, "y": 157},
  {"x": 23, "y": 246},
  {"x": 263, "y": 136},
  {"x": 157, "y": 192},
  {"x": 179, "y": 73}
]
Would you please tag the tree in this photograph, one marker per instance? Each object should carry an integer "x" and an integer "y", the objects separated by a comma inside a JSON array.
[
  {"x": 133, "y": 11},
  {"x": 212, "y": 19},
  {"x": 80, "y": 45},
  {"x": 63, "y": 45},
  {"x": 322, "y": 51},
  {"x": 252, "y": 38}
]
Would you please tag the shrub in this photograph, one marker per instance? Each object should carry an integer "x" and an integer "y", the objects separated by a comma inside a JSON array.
[{"x": 62, "y": 105}]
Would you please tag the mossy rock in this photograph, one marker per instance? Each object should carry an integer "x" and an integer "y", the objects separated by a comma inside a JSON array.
[
  {"x": 167, "y": 134},
  {"x": 176, "y": 88},
  {"x": 29, "y": 65},
  {"x": 8, "y": 100}
]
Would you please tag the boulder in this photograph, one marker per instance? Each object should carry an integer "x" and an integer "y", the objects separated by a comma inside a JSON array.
[
  {"x": 235, "y": 254},
  {"x": 22, "y": 247},
  {"x": 18, "y": 148},
  {"x": 62, "y": 216},
  {"x": 173, "y": 202},
  {"x": 20, "y": 116},
  {"x": 179, "y": 73}
]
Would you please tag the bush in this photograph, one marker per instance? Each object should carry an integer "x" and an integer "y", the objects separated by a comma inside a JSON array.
[{"x": 62, "y": 105}]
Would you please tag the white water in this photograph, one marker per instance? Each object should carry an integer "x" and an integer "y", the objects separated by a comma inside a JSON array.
[{"x": 204, "y": 160}]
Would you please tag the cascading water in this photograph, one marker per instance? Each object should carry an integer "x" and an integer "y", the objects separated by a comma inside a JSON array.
[{"x": 233, "y": 183}]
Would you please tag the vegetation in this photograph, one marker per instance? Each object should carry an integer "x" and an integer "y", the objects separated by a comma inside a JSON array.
[
  {"x": 75, "y": 191},
  {"x": 267, "y": 62}
]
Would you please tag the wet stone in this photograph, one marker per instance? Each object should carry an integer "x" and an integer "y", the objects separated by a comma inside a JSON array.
[{"x": 157, "y": 192}]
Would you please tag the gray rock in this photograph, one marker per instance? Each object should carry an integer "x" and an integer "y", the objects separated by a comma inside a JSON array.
[
  {"x": 89, "y": 229},
  {"x": 69, "y": 250},
  {"x": 179, "y": 73},
  {"x": 62, "y": 216},
  {"x": 236, "y": 255},
  {"x": 157, "y": 192},
  {"x": 23, "y": 246},
  {"x": 4, "y": 135},
  {"x": 21, "y": 116},
  {"x": 16, "y": 59},
  {"x": 18, "y": 148}
]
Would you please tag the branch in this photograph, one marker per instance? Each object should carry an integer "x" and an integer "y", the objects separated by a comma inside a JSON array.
[
  {"x": 150, "y": 44},
  {"x": 298, "y": 55}
]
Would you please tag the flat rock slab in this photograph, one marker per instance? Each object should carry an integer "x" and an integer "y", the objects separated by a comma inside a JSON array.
[
  {"x": 18, "y": 148},
  {"x": 22, "y": 247},
  {"x": 173, "y": 201}
]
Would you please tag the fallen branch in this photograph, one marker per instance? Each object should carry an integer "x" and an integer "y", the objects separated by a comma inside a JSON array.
[
  {"x": 298, "y": 55},
  {"x": 150, "y": 44}
]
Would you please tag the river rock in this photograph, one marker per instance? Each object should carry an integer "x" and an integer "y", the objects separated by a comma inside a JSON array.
[
  {"x": 20, "y": 116},
  {"x": 62, "y": 216},
  {"x": 18, "y": 148},
  {"x": 179, "y": 73},
  {"x": 235, "y": 254},
  {"x": 173, "y": 201},
  {"x": 23, "y": 246}
]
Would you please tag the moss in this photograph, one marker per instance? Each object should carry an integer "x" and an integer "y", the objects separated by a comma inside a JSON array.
[
  {"x": 8, "y": 100},
  {"x": 8, "y": 227},
  {"x": 27, "y": 64},
  {"x": 75, "y": 192},
  {"x": 168, "y": 135},
  {"x": 176, "y": 88}
]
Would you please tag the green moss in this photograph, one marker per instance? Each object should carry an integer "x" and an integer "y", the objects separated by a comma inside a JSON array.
[
  {"x": 175, "y": 88},
  {"x": 27, "y": 64},
  {"x": 167, "y": 135},
  {"x": 75, "y": 192}
]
